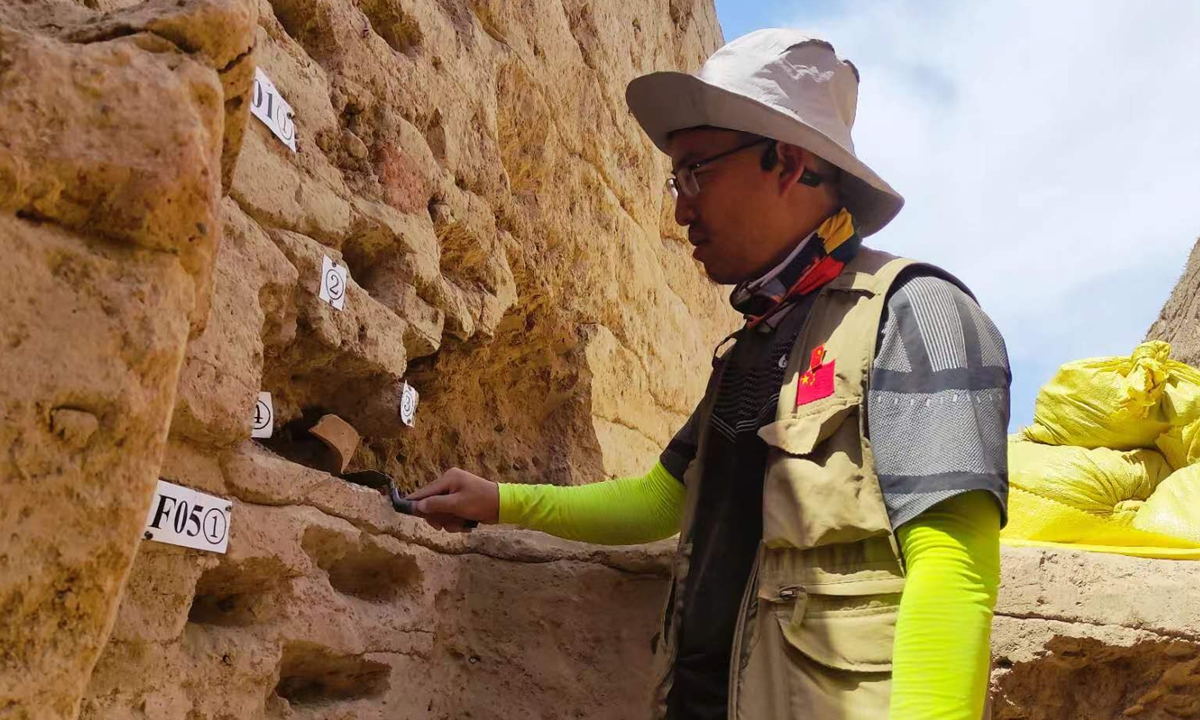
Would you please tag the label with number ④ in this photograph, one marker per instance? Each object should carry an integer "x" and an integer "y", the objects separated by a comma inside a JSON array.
[
  {"x": 182, "y": 516},
  {"x": 262, "y": 425}
]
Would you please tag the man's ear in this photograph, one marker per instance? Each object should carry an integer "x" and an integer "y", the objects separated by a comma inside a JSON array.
[{"x": 793, "y": 161}]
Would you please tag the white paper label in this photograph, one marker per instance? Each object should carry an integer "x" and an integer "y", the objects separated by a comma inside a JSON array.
[
  {"x": 269, "y": 106},
  {"x": 408, "y": 404},
  {"x": 333, "y": 283},
  {"x": 182, "y": 516},
  {"x": 263, "y": 423}
]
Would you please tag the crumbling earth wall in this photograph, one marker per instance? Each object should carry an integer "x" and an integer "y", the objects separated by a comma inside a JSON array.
[
  {"x": 115, "y": 136},
  {"x": 510, "y": 256},
  {"x": 1088, "y": 636}
]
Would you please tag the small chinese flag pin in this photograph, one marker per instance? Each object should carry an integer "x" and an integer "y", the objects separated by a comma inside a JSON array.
[
  {"x": 818, "y": 357},
  {"x": 817, "y": 381}
]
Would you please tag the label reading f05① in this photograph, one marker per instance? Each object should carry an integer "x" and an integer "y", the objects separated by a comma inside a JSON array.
[{"x": 182, "y": 516}]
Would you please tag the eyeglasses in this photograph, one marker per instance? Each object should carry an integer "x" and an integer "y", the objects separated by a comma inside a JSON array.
[{"x": 683, "y": 181}]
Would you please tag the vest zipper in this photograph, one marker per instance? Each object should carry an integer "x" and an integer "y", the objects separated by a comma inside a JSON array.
[{"x": 735, "y": 655}]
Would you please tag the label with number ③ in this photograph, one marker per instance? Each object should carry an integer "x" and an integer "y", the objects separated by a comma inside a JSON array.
[
  {"x": 182, "y": 516},
  {"x": 268, "y": 105}
]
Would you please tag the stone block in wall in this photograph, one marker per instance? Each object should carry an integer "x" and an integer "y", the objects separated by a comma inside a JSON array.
[
  {"x": 300, "y": 191},
  {"x": 338, "y": 357},
  {"x": 222, "y": 374},
  {"x": 155, "y": 179},
  {"x": 192, "y": 466},
  {"x": 425, "y": 322},
  {"x": 115, "y": 131},
  {"x": 1091, "y": 635},
  {"x": 381, "y": 232},
  {"x": 161, "y": 588},
  {"x": 218, "y": 33},
  {"x": 275, "y": 191},
  {"x": 93, "y": 338},
  {"x": 1098, "y": 588},
  {"x": 255, "y": 474}
]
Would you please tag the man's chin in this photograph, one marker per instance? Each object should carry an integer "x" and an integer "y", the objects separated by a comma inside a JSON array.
[
  {"x": 716, "y": 270},
  {"x": 719, "y": 275}
]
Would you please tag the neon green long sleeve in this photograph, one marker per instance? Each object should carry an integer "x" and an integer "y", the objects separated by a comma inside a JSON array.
[
  {"x": 942, "y": 651},
  {"x": 940, "y": 665},
  {"x": 625, "y": 511}
]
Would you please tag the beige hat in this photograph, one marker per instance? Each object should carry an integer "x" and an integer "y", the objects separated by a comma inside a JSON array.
[{"x": 780, "y": 84}]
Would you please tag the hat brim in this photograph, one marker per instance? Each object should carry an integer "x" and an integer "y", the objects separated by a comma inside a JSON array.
[{"x": 664, "y": 102}]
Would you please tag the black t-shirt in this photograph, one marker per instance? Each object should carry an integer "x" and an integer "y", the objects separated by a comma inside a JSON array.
[{"x": 728, "y": 518}]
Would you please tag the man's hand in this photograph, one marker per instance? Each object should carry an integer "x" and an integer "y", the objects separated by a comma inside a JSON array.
[{"x": 455, "y": 497}]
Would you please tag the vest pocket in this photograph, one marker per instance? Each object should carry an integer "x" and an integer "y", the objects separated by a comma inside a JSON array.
[
  {"x": 798, "y": 435},
  {"x": 817, "y": 491},
  {"x": 837, "y": 627},
  {"x": 820, "y": 655}
]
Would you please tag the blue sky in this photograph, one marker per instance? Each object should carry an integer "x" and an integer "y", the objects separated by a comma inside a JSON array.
[{"x": 1049, "y": 153}]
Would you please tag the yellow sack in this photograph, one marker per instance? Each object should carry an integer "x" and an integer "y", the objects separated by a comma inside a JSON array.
[
  {"x": 1086, "y": 499},
  {"x": 1181, "y": 406},
  {"x": 1109, "y": 484},
  {"x": 1174, "y": 507},
  {"x": 1040, "y": 522},
  {"x": 1105, "y": 402}
]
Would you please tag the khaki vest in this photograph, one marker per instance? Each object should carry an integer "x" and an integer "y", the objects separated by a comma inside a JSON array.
[{"x": 818, "y": 616}]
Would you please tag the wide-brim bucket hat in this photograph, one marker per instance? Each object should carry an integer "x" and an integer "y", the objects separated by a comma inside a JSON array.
[{"x": 780, "y": 84}]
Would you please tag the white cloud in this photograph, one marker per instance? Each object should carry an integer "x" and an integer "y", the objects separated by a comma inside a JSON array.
[{"x": 1049, "y": 153}]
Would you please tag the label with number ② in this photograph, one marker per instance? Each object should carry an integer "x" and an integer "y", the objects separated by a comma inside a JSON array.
[
  {"x": 182, "y": 516},
  {"x": 263, "y": 422},
  {"x": 268, "y": 105},
  {"x": 333, "y": 283}
]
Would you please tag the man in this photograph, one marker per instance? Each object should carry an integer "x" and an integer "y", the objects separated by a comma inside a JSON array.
[{"x": 840, "y": 489}]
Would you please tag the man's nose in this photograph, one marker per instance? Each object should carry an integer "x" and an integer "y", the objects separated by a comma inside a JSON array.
[{"x": 685, "y": 210}]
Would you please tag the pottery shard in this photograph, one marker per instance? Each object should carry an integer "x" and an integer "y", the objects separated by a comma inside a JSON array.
[{"x": 340, "y": 437}]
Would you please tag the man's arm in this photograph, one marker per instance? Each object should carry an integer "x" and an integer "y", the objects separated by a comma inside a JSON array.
[
  {"x": 938, "y": 412},
  {"x": 625, "y": 511},
  {"x": 942, "y": 647}
]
